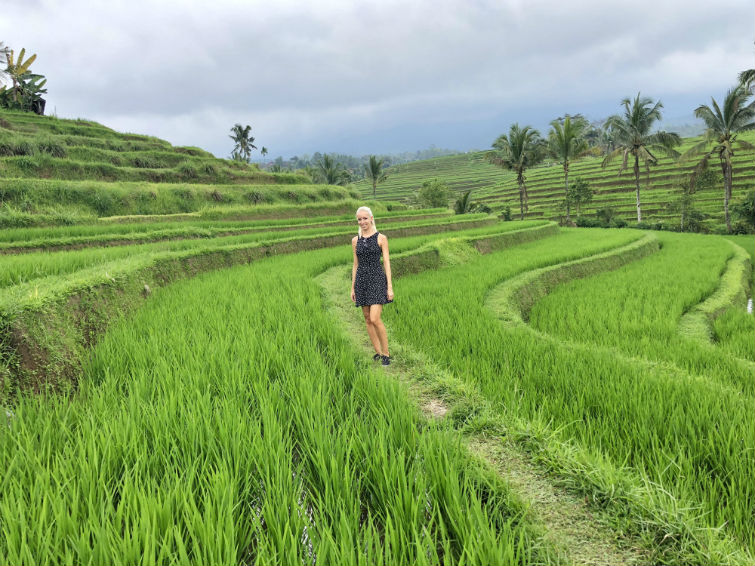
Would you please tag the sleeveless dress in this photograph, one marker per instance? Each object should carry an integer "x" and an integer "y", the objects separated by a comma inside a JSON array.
[{"x": 370, "y": 283}]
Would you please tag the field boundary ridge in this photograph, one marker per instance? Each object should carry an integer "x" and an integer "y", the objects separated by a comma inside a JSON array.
[
  {"x": 46, "y": 333},
  {"x": 665, "y": 529},
  {"x": 437, "y": 254},
  {"x": 513, "y": 299},
  {"x": 732, "y": 290}
]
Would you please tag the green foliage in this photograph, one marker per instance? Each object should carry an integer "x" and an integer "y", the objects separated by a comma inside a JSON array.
[
  {"x": 636, "y": 140},
  {"x": 583, "y": 395},
  {"x": 720, "y": 139},
  {"x": 579, "y": 194},
  {"x": 690, "y": 219},
  {"x": 243, "y": 142},
  {"x": 433, "y": 193},
  {"x": 684, "y": 400},
  {"x": 605, "y": 215},
  {"x": 545, "y": 184},
  {"x": 330, "y": 171},
  {"x": 566, "y": 142},
  {"x": 464, "y": 205},
  {"x": 26, "y": 88},
  {"x": 745, "y": 211},
  {"x": 520, "y": 149},
  {"x": 375, "y": 172}
]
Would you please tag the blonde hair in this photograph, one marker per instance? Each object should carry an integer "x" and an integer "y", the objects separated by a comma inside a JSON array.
[{"x": 368, "y": 211}]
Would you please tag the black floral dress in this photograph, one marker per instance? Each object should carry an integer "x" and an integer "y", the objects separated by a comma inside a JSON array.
[{"x": 370, "y": 283}]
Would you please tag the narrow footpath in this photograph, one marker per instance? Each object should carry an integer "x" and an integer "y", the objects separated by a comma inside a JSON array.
[{"x": 567, "y": 522}]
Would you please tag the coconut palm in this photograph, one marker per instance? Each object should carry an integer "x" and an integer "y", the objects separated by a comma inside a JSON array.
[
  {"x": 242, "y": 137},
  {"x": 566, "y": 142},
  {"x": 375, "y": 172},
  {"x": 723, "y": 126},
  {"x": 331, "y": 171},
  {"x": 521, "y": 148},
  {"x": 463, "y": 204},
  {"x": 747, "y": 79},
  {"x": 632, "y": 133},
  {"x": 263, "y": 151}
]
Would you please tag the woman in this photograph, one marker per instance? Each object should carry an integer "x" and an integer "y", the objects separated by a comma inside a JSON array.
[{"x": 371, "y": 287}]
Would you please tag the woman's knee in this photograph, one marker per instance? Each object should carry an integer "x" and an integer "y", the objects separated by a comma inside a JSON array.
[{"x": 374, "y": 318}]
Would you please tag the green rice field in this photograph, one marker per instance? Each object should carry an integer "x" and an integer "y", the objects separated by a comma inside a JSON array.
[
  {"x": 194, "y": 386},
  {"x": 498, "y": 188},
  {"x": 229, "y": 418}
]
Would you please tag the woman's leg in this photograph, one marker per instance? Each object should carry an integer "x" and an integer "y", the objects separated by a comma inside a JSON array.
[
  {"x": 371, "y": 331},
  {"x": 376, "y": 312}
]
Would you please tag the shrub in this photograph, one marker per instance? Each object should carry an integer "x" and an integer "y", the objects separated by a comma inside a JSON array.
[
  {"x": 585, "y": 222},
  {"x": 745, "y": 211},
  {"x": 13, "y": 147},
  {"x": 433, "y": 194},
  {"x": 579, "y": 194},
  {"x": 188, "y": 171},
  {"x": 185, "y": 194},
  {"x": 605, "y": 215},
  {"x": 617, "y": 222},
  {"x": 25, "y": 163},
  {"x": 255, "y": 197},
  {"x": 52, "y": 148}
]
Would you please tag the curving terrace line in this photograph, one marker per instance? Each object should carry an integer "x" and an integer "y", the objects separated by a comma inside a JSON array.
[
  {"x": 568, "y": 523},
  {"x": 732, "y": 290}
]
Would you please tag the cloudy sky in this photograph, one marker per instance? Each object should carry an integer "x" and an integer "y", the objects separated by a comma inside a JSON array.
[{"x": 381, "y": 76}]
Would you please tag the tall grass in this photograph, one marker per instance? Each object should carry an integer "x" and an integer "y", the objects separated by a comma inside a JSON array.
[
  {"x": 693, "y": 438},
  {"x": 637, "y": 308},
  {"x": 24, "y": 268},
  {"x": 229, "y": 422}
]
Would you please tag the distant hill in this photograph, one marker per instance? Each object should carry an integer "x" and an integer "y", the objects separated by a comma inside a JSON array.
[
  {"x": 59, "y": 171},
  {"x": 49, "y": 147}
]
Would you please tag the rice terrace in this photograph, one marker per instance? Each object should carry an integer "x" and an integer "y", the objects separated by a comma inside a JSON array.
[{"x": 184, "y": 380}]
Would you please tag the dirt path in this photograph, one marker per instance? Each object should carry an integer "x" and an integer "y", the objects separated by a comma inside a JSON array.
[{"x": 568, "y": 524}]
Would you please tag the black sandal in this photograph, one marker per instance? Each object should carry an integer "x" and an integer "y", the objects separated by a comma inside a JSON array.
[
  {"x": 386, "y": 360},
  {"x": 377, "y": 357}
]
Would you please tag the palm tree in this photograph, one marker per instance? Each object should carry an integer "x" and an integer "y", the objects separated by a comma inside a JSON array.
[
  {"x": 566, "y": 141},
  {"x": 331, "y": 171},
  {"x": 747, "y": 79},
  {"x": 375, "y": 172},
  {"x": 263, "y": 151},
  {"x": 244, "y": 141},
  {"x": 723, "y": 127},
  {"x": 522, "y": 148},
  {"x": 463, "y": 204},
  {"x": 633, "y": 138}
]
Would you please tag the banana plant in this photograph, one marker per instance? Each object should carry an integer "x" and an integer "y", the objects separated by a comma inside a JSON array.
[
  {"x": 26, "y": 89},
  {"x": 17, "y": 68}
]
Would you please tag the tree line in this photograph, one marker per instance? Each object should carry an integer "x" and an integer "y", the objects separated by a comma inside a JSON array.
[{"x": 630, "y": 138}]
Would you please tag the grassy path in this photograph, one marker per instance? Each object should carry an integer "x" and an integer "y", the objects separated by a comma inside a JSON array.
[{"x": 568, "y": 523}]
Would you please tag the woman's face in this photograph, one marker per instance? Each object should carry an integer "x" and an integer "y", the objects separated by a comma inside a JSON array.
[{"x": 364, "y": 220}]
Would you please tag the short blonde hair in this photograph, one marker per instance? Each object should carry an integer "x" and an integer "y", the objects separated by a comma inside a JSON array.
[{"x": 368, "y": 211}]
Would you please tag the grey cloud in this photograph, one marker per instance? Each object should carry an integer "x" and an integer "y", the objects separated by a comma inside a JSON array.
[{"x": 370, "y": 66}]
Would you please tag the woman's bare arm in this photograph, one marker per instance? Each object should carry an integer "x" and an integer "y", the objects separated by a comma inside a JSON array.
[
  {"x": 387, "y": 264},
  {"x": 354, "y": 267}
]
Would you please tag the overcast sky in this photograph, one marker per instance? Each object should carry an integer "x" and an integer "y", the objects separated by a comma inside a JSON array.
[{"x": 373, "y": 77}]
